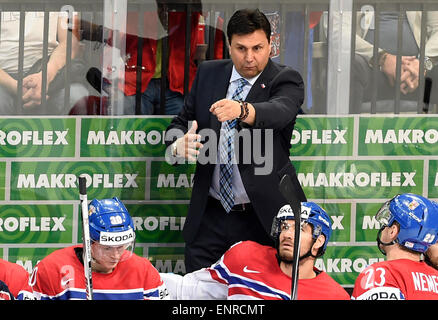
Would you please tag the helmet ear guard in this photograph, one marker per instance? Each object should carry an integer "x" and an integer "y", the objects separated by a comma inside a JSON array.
[{"x": 317, "y": 231}]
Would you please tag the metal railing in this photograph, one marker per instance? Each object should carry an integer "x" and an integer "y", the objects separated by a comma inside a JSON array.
[
  {"x": 400, "y": 8},
  {"x": 325, "y": 65}
]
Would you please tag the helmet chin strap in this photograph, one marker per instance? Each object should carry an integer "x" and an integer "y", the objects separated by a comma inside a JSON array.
[
  {"x": 380, "y": 242},
  {"x": 308, "y": 254}
]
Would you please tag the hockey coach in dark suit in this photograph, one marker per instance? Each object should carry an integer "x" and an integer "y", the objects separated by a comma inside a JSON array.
[{"x": 250, "y": 104}]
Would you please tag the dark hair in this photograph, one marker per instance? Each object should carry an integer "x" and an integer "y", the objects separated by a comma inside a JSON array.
[{"x": 247, "y": 21}]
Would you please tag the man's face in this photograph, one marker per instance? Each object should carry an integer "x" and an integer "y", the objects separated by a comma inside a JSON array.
[
  {"x": 250, "y": 53},
  {"x": 286, "y": 240},
  {"x": 106, "y": 258}
]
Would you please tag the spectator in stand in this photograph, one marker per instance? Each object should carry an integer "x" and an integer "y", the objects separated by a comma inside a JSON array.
[
  {"x": 32, "y": 81},
  {"x": 152, "y": 56},
  {"x": 158, "y": 26},
  {"x": 387, "y": 56}
]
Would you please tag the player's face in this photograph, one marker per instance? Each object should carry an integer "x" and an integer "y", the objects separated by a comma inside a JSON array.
[
  {"x": 286, "y": 240},
  {"x": 432, "y": 254},
  {"x": 250, "y": 53},
  {"x": 106, "y": 258}
]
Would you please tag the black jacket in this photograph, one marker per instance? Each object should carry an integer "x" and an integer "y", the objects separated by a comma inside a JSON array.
[{"x": 277, "y": 96}]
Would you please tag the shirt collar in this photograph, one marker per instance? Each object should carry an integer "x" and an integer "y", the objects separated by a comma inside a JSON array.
[{"x": 235, "y": 76}]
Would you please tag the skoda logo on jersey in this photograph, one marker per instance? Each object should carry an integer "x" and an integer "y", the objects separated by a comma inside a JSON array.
[{"x": 116, "y": 238}]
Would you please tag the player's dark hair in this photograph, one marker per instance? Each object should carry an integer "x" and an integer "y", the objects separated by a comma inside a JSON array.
[{"x": 247, "y": 21}]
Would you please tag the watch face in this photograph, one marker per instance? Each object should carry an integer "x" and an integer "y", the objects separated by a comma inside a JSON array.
[{"x": 428, "y": 65}]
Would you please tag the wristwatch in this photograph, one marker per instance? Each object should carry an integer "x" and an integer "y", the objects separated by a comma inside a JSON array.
[
  {"x": 173, "y": 149},
  {"x": 428, "y": 64},
  {"x": 381, "y": 57}
]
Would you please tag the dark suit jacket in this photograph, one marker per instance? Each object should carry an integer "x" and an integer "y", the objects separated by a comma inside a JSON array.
[{"x": 276, "y": 96}]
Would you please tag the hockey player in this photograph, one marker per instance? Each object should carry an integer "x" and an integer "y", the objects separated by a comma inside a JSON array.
[
  {"x": 117, "y": 273},
  {"x": 249, "y": 270},
  {"x": 5, "y": 293},
  {"x": 14, "y": 282},
  {"x": 408, "y": 228},
  {"x": 431, "y": 255}
]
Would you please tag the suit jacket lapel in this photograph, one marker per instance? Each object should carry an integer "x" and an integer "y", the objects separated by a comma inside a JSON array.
[
  {"x": 262, "y": 81},
  {"x": 223, "y": 81}
]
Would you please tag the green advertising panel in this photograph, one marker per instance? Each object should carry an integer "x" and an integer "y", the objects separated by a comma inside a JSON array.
[
  {"x": 344, "y": 263},
  {"x": 139, "y": 251},
  {"x": 167, "y": 259},
  {"x": 29, "y": 257},
  {"x": 433, "y": 179},
  {"x": 36, "y": 224},
  {"x": 366, "y": 224},
  {"x": 37, "y": 137},
  {"x": 158, "y": 223},
  {"x": 2, "y": 180},
  {"x": 169, "y": 182},
  {"x": 361, "y": 179},
  {"x": 349, "y": 165},
  {"x": 340, "y": 214},
  {"x": 123, "y": 137},
  {"x": 322, "y": 136},
  {"x": 58, "y": 180},
  {"x": 398, "y": 136}
]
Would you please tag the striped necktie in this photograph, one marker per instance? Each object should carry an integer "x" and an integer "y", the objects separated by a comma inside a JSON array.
[{"x": 226, "y": 150}]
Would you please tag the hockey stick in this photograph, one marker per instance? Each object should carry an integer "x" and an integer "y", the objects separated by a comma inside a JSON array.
[
  {"x": 288, "y": 191},
  {"x": 86, "y": 237}
]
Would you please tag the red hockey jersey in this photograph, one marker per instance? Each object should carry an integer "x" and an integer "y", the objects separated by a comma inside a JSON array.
[
  {"x": 16, "y": 278},
  {"x": 397, "y": 280},
  {"x": 60, "y": 276},
  {"x": 249, "y": 270}
]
